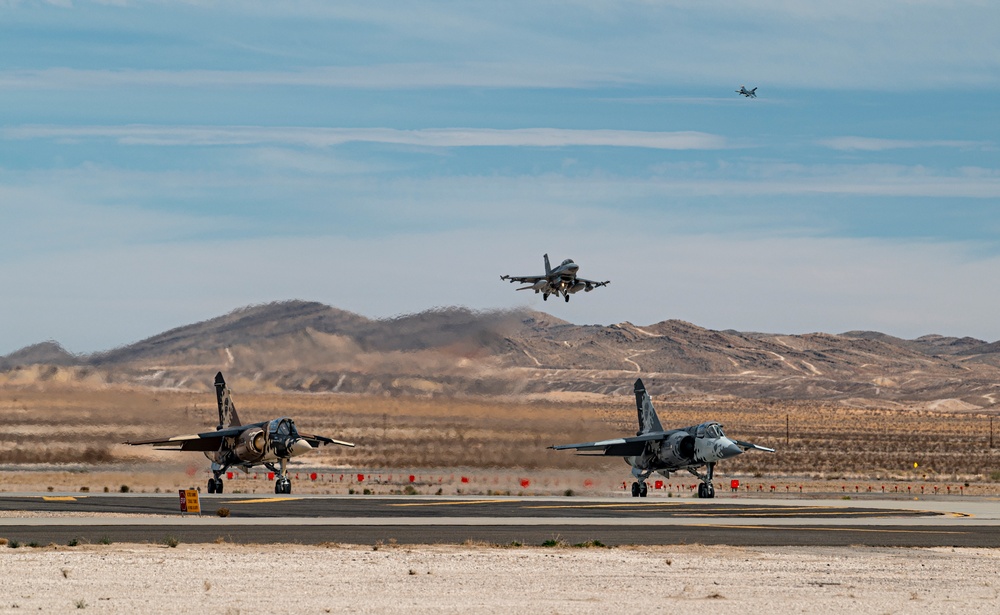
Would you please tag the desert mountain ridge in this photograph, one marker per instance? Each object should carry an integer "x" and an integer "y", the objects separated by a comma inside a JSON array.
[{"x": 312, "y": 347}]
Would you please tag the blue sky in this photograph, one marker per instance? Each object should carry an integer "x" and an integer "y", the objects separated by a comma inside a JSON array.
[{"x": 164, "y": 162}]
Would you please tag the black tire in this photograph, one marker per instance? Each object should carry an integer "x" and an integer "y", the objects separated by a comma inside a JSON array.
[
  {"x": 288, "y": 488},
  {"x": 545, "y": 297},
  {"x": 643, "y": 489},
  {"x": 567, "y": 298},
  {"x": 635, "y": 490},
  {"x": 710, "y": 491},
  {"x": 277, "y": 487},
  {"x": 702, "y": 492},
  {"x": 218, "y": 486},
  {"x": 211, "y": 485}
]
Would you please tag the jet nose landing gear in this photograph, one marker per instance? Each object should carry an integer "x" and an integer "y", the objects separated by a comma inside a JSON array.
[{"x": 283, "y": 486}]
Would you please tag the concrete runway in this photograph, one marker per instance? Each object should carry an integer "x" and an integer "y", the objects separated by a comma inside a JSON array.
[{"x": 58, "y": 518}]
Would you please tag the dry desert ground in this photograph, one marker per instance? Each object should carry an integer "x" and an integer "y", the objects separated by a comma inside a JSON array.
[{"x": 230, "y": 579}]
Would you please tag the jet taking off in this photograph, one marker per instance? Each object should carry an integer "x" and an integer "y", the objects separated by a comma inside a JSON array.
[
  {"x": 748, "y": 93},
  {"x": 655, "y": 450},
  {"x": 233, "y": 444},
  {"x": 562, "y": 279}
]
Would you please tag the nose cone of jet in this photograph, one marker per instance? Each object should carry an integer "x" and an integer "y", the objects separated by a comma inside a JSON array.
[
  {"x": 300, "y": 447},
  {"x": 730, "y": 450}
]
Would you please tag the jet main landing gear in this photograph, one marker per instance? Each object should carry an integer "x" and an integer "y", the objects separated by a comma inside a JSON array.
[
  {"x": 705, "y": 488},
  {"x": 639, "y": 490},
  {"x": 215, "y": 485}
]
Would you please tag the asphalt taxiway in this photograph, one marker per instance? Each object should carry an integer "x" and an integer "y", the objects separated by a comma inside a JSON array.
[{"x": 311, "y": 519}]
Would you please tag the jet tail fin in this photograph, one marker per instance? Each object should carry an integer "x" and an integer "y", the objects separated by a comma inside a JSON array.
[
  {"x": 548, "y": 268},
  {"x": 648, "y": 421},
  {"x": 227, "y": 409}
]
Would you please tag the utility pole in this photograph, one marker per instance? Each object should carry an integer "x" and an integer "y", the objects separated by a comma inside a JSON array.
[{"x": 786, "y": 431}]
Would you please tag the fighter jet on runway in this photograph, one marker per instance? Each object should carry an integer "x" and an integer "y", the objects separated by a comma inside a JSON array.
[
  {"x": 562, "y": 279},
  {"x": 748, "y": 93},
  {"x": 233, "y": 444},
  {"x": 655, "y": 450}
]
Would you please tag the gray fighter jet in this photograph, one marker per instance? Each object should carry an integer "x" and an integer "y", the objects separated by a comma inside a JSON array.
[
  {"x": 748, "y": 93},
  {"x": 562, "y": 280},
  {"x": 655, "y": 450},
  {"x": 233, "y": 444}
]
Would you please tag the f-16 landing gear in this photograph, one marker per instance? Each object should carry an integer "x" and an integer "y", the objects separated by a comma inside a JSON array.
[
  {"x": 639, "y": 490},
  {"x": 545, "y": 296},
  {"x": 567, "y": 298},
  {"x": 705, "y": 489}
]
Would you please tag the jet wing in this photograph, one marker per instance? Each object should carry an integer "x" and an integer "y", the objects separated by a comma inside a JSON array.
[
  {"x": 748, "y": 445},
  {"x": 208, "y": 441},
  {"x": 523, "y": 279},
  {"x": 315, "y": 441},
  {"x": 619, "y": 447},
  {"x": 594, "y": 284}
]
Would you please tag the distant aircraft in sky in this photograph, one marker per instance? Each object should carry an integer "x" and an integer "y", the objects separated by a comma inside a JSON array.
[
  {"x": 562, "y": 279},
  {"x": 654, "y": 449},
  {"x": 244, "y": 446},
  {"x": 748, "y": 93}
]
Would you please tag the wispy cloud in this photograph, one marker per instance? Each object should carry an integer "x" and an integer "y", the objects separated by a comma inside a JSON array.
[
  {"x": 872, "y": 144},
  {"x": 327, "y": 137},
  {"x": 376, "y": 76}
]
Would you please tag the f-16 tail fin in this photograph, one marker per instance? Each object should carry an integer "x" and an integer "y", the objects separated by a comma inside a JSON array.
[
  {"x": 227, "y": 409},
  {"x": 648, "y": 421},
  {"x": 548, "y": 268}
]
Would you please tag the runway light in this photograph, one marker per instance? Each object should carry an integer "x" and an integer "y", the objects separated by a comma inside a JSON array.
[
  {"x": 525, "y": 483},
  {"x": 361, "y": 478},
  {"x": 229, "y": 475},
  {"x": 588, "y": 483},
  {"x": 270, "y": 476},
  {"x": 413, "y": 478},
  {"x": 312, "y": 476},
  {"x": 465, "y": 479}
]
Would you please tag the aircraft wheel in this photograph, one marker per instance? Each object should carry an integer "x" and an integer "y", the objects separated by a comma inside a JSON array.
[
  {"x": 702, "y": 492},
  {"x": 218, "y": 486},
  {"x": 567, "y": 298},
  {"x": 709, "y": 491},
  {"x": 211, "y": 485},
  {"x": 545, "y": 297},
  {"x": 635, "y": 490},
  {"x": 277, "y": 486},
  {"x": 643, "y": 488}
]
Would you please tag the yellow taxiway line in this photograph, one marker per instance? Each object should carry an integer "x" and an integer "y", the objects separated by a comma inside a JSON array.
[{"x": 58, "y": 498}]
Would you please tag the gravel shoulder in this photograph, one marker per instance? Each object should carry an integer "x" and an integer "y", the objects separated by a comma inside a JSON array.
[{"x": 232, "y": 579}]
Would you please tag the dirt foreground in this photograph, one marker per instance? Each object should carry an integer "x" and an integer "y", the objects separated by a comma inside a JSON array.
[{"x": 232, "y": 579}]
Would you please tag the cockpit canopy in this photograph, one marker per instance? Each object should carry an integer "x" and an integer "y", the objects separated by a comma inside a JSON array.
[
  {"x": 710, "y": 430},
  {"x": 282, "y": 429},
  {"x": 568, "y": 261}
]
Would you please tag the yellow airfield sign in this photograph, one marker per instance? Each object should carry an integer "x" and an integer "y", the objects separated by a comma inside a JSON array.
[{"x": 189, "y": 501}]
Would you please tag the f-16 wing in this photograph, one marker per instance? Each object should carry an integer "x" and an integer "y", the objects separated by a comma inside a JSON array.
[
  {"x": 749, "y": 445},
  {"x": 523, "y": 279},
  {"x": 619, "y": 447},
  {"x": 592, "y": 284},
  {"x": 315, "y": 440}
]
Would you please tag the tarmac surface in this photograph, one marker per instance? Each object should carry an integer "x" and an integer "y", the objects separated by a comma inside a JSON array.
[{"x": 311, "y": 519}]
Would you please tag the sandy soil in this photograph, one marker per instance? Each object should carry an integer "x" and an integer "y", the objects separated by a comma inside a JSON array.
[{"x": 232, "y": 579}]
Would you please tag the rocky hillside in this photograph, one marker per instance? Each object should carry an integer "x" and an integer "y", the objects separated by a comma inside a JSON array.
[{"x": 306, "y": 346}]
